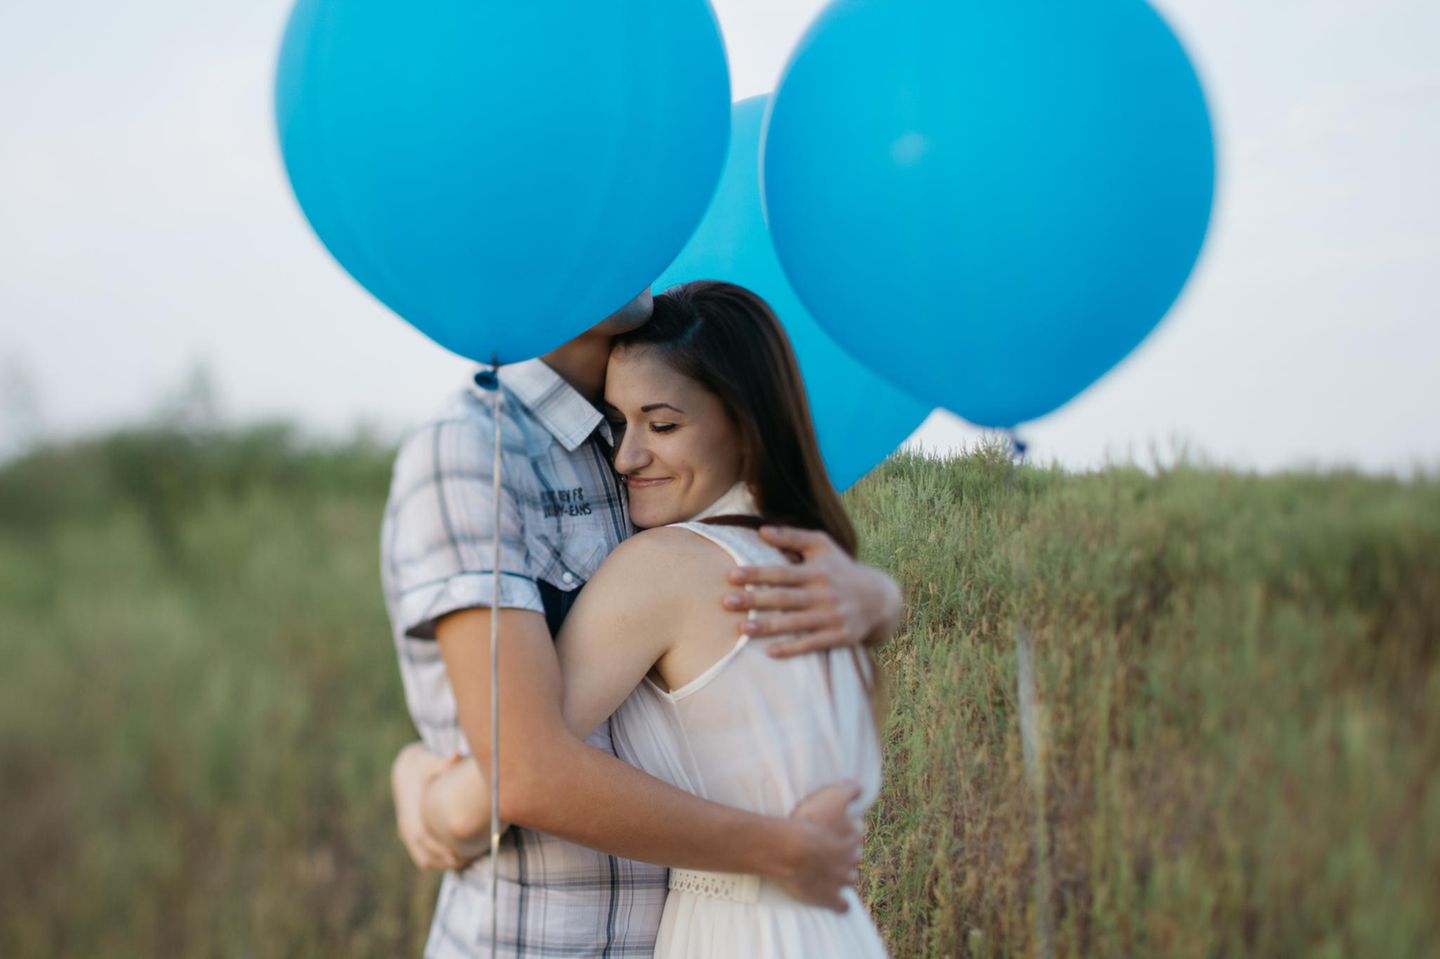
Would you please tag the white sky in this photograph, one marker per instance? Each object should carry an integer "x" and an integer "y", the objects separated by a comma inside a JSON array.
[{"x": 146, "y": 227}]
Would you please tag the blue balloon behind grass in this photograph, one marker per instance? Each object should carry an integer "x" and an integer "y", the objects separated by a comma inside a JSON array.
[
  {"x": 860, "y": 418},
  {"x": 503, "y": 173},
  {"x": 992, "y": 202}
]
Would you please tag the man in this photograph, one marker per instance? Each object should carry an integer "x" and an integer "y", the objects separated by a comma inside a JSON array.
[{"x": 562, "y": 512}]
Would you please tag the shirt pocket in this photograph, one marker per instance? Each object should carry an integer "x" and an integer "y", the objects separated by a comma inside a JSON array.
[
  {"x": 570, "y": 558},
  {"x": 576, "y": 525}
]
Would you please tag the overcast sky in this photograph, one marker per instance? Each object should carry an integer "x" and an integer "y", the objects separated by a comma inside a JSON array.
[{"x": 146, "y": 229}]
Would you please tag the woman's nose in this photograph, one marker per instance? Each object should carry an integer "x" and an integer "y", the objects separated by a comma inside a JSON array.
[{"x": 631, "y": 454}]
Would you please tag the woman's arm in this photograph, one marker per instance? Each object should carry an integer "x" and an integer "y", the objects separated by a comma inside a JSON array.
[
  {"x": 622, "y": 623},
  {"x": 630, "y": 616}
]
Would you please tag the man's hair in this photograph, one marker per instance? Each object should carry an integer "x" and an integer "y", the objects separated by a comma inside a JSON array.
[{"x": 728, "y": 340}]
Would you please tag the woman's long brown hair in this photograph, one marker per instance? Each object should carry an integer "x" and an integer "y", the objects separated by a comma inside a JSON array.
[{"x": 728, "y": 340}]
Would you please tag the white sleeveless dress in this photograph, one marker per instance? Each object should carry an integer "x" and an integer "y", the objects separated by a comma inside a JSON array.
[{"x": 758, "y": 734}]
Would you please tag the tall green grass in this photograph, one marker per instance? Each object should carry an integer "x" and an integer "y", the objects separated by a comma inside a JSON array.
[
  {"x": 1237, "y": 683},
  {"x": 1239, "y": 711},
  {"x": 199, "y": 704}
]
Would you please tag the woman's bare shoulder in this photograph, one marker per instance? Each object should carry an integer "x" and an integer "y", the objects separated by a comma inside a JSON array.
[
  {"x": 668, "y": 547},
  {"x": 667, "y": 556},
  {"x": 650, "y": 586}
]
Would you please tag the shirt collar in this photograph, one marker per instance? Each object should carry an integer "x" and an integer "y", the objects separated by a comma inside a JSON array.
[{"x": 555, "y": 404}]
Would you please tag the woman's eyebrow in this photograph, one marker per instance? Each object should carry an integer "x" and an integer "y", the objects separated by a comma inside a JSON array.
[{"x": 661, "y": 406}]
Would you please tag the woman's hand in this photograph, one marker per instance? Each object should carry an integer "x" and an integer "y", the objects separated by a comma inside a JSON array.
[
  {"x": 414, "y": 769},
  {"x": 826, "y": 598}
]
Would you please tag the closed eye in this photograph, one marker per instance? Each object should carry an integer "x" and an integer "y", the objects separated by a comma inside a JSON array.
[{"x": 662, "y": 427}]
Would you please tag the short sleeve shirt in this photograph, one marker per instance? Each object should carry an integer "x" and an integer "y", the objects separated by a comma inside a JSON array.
[{"x": 562, "y": 511}]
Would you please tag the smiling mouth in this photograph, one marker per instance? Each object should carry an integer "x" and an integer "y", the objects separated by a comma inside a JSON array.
[{"x": 644, "y": 482}]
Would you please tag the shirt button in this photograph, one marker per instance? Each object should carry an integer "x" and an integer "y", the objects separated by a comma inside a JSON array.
[{"x": 567, "y": 578}]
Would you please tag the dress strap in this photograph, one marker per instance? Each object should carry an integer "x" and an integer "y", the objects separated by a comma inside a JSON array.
[{"x": 743, "y": 544}]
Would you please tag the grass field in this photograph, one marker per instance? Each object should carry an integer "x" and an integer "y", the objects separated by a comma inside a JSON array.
[{"x": 1236, "y": 733}]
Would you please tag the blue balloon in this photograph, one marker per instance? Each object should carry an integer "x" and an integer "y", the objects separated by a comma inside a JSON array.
[
  {"x": 860, "y": 418},
  {"x": 503, "y": 175},
  {"x": 993, "y": 203}
]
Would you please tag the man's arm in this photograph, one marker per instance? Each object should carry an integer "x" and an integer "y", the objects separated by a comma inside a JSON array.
[
  {"x": 827, "y": 598},
  {"x": 552, "y": 782}
]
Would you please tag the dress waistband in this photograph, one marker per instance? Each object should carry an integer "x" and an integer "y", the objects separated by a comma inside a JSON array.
[{"x": 734, "y": 886}]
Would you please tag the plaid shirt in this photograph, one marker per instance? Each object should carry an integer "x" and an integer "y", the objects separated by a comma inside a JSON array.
[{"x": 562, "y": 513}]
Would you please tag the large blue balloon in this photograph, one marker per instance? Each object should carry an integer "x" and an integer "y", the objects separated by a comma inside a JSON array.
[
  {"x": 992, "y": 202},
  {"x": 860, "y": 418},
  {"x": 503, "y": 173}
]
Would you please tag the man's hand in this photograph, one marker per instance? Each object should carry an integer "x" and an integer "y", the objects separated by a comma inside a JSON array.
[
  {"x": 411, "y": 774},
  {"x": 826, "y": 598},
  {"x": 829, "y": 854}
]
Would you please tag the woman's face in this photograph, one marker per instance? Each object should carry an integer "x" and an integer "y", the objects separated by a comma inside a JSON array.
[{"x": 677, "y": 449}]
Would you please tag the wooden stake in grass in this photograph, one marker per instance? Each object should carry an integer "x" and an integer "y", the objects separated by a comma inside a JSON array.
[{"x": 1033, "y": 746}]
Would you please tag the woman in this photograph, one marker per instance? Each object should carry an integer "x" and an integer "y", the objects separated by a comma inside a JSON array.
[{"x": 713, "y": 436}]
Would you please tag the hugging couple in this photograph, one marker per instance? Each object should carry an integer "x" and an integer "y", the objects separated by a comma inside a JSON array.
[{"x": 704, "y": 703}]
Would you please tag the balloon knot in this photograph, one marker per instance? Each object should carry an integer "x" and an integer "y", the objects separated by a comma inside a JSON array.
[
  {"x": 1018, "y": 446},
  {"x": 489, "y": 379}
]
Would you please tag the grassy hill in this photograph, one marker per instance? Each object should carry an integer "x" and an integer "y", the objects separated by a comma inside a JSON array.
[{"x": 1234, "y": 740}]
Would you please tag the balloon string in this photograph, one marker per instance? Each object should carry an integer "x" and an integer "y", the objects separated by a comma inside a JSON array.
[{"x": 495, "y": 688}]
